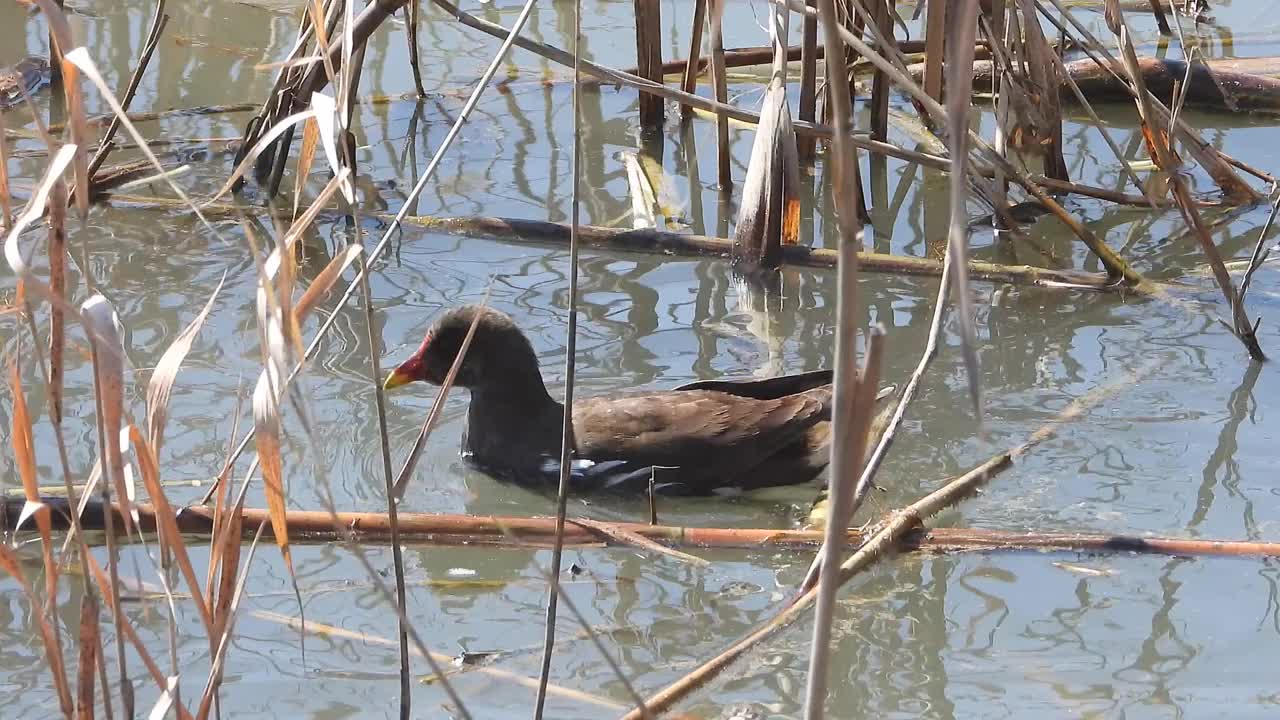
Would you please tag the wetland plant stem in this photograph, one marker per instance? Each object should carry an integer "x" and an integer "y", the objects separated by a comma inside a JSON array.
[{"x": 571, "y": 342}]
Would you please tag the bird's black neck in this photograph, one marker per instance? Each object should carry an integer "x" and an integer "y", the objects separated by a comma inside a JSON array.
[{"x": 514, "y": 423}]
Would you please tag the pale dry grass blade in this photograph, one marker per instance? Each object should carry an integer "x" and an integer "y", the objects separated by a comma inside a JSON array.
[
  {"x": 224, "y": 639},
  {"x": 107, "y": 355},
  {"x": 251, "y": 156},
  {"x": 960, "y": 48},
  {"x": 266, "y": 429},
  {"x": 81, "y": 135},
  {"x": 325, "y": 280},
  {"x": 34, "y": 211},
  {"x": 80, "y": 58},
  {"x": 306, "y": 153},
  {"x": 107, "y": 352},
  {"x": 160, "y": 387}
]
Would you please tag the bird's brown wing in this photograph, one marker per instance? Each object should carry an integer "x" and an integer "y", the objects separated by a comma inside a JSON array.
[
  {"x": 706, "y": 437},
  {"x": 765, "y": 388}
]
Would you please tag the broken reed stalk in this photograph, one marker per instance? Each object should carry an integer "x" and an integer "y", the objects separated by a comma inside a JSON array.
[
  {"x": 878, "y": 545},
  {"x": 449, "y": 530},
  {"x": 689, "y": 81},
  {"x": 720, "y": 87},
  {"x": 748, "y": 56},
  {"x": 648, "y": 19},
  {"x": 805, "y": 145},
  {"x": 1209, "y": 158},
  {"x": 159, "y": 20},
  {"x": 660, "y": 242},
  {"x": 1115, "y": 264},
  {"x": 571, "y": 350},
  {"x": 1157, "y": 129}
]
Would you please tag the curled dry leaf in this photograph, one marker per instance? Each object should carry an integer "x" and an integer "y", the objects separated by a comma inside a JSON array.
[
  {"x": 160, "y": 388},
  {"x": 107, "y": 350},
  {"x": 325, "y": 281},
  {"x": 266, "y": 433}
]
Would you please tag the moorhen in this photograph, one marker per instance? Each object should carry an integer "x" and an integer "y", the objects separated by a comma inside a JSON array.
[{"x": 694, "y": 439}]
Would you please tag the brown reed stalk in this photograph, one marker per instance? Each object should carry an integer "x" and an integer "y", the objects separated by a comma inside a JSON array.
[
  {"x": 720, "y": 87},
  {"x": 805, "y": 145},
  {"x": 447, "y": 530},
  {"x": 691, "y": 67},
  {"x": 653, "y": 241},
  {"x": 1157, "y": 133},
  {"x": 411, "y": 35},
  {"x": 648, "y": 19},
  {"x": 880, "y": 13},
  {"x": 159, "y": 20},
  {"x": 935, "y": 20}
]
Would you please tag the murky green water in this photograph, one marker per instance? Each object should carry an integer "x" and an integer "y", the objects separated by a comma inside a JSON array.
[{"x": 1186, "y": 452}]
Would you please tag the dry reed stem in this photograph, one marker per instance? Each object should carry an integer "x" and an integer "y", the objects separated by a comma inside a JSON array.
[
  {"x": 1156, "y": 133},
  {"x": 651, "y": 241},
  {"x": 849, "y": 418},
  {"x": 878, "y": 545},
  {"x": 432, "y": 529},
  {"x": 720, "y": 108},
  {"x": 159, "y": 20},
  {"x": 689, "y": 67}
]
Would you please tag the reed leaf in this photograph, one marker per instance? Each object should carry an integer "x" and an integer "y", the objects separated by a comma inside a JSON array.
[
  {"x": 160, "y": 387},
  {"x": 324, "y": 281},
  {"x": 170, "y": 536},
  {"x": 266, "y": 432},
  {"x": 641, "y": 192},
  {"x": 306, "y": 153},
  {"x": 107, "y": 350}
]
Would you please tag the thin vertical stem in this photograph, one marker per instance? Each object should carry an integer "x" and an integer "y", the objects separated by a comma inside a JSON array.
[
  {"x": 571, "y": 342},
  {"x": 689, "y": 82},
  {"x": 845, "y": 460}
]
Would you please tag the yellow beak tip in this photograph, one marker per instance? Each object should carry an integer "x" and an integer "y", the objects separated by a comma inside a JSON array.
[{"x": 395, "y": 380}]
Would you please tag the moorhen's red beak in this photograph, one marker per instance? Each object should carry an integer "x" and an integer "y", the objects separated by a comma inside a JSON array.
[
  {"x": 408, "y": 371},
  {"x": 397, "y": 378}
]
